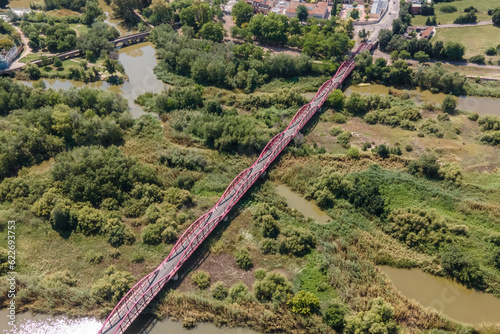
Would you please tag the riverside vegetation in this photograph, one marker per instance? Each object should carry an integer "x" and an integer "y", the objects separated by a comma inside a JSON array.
[{"x": 100, "y": 198}]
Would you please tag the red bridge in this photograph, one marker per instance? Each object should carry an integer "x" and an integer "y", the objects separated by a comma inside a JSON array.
[{"x": 134, "y": 302}]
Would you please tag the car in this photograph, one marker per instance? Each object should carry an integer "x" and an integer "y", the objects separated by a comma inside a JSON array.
[{"x": 390, "y": 13}]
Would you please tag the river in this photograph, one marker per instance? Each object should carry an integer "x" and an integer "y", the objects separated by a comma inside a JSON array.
[
  {"x": 28, "y": 323},
  {"x": 446, "y": 296},
  {"x": 481, "y": 105},
  {"x": 307, "y": 208},
  {"x": 141, "y": 79}
]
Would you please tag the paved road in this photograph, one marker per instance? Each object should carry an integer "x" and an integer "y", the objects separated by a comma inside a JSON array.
[
  {"x": 482, "y": 23},
  {"x": 385, "y": 22}
]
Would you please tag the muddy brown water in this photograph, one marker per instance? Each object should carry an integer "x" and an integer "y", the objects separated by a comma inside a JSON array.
[
  {"x": 452, "y": 299},
  {"x": 307, "y": 208},
  {"x": 139, "y": 61},
  {"x": 27, "y": 323},
  {"x": 481, "y": 105}
]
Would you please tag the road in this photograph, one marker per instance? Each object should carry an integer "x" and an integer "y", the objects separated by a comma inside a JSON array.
[
  {"x": 482, "y": 23},
  {"x": 385, "y": 22}
]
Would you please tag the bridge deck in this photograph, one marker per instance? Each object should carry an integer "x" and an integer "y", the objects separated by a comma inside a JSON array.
[{"x": 143, "y": 292}]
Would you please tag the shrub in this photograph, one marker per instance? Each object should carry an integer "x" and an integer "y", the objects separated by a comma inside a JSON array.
[
  {"x": 112, "y": 286},
  {"x": 418, "y": 228},
  {"x": 334, "y": 316},
  {"x": 152, "y": 214},
  {"x": 93, "y": 257},
  {"x": 496, "y": 258},
  {"x": 260, "y": 274},
  {"x": 491, "y": 51},
  {"x": 356, "y": 105},
  {"x": 60, "y": 278},
  {"x": 90, "y": 221},
  {"x": 449, "y": 105},
  {"x": 335, "y": 131},
  {"x": 118, "y": 233},
  {"x": 381, "y": 150},
  {"x": 473, "y": 116},
  {"x": 452, "y": 173},
  {"x": 365, "y": 194},
  {"x": 243, "y": 259},
  {"x": 380, "y": 316},
  {"x": 297, "y": 241},
  {"x": 4, "y": 261},
  {"x": 479, "y": 59},
  {"x": 338, "y": 118},
  {"x": 430, "y": 126},
  {"x": 304, "y": 303},
  {"x": 353, "y": 153},
  {"x": 448, "y": 9},
  {"x": 269, "y": 246},
  {"x": 458, "y": 264},
  {"x": 270, "y": 229},
  {"x": 426, "y": 165},
  {"x": 274, "y": 287},
  {"x": 343, "y": 139},
  {"x": 239, "y": 294},
  {"x": 219, "y": 290},
  {"x": 137, "y": 257},
  {"x": 201, "y": 279},
  {"x": 408, "y": 148},
  {"x": 151, "y": 234}
]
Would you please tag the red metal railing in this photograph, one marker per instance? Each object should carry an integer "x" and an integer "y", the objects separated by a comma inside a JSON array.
[{"x": 146, "y": 289}]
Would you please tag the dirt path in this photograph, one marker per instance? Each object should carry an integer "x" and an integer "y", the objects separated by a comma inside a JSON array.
[
  {"x": 27, "y": 50},
  {"x": 477, "y": 24}
]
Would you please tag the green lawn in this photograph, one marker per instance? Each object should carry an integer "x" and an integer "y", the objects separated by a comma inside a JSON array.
[
  {"x": 447, "y": 18},
  {"x": 475, "y": 39}
]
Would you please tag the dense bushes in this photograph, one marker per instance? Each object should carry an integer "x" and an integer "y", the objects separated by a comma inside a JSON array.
[
  {"x": 68, "y": 119},
  {"x": 297, "y": 241},
  {"x": 172, "y": 99},
  {"x": 233, "y": 66},
  {"x": 460, "y": 265},
  {"x": 93, "y": 174},
  {"x": 379, "y": 318},
  {"x": 419, "y": 229},
  {"x": 54, "y": 38}
]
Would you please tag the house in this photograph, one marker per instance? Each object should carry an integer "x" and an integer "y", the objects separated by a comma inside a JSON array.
[
  {"x": 339, "y": 2},
  {"x": 280, "y": 7},
  {"x": 428, "y": 33},
  {"x": 318, "y": 10},
  {"x": 262, "y": 6}
]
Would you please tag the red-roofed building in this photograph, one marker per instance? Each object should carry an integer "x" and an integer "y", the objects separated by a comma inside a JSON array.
[
  {"x": 428, "y": 33},
  {"x": 318, "y": 10}
]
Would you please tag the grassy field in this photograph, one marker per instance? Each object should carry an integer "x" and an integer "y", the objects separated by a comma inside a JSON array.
[
  {"x": 448, "y": 18},
  {"x": 476, "y": 39}
]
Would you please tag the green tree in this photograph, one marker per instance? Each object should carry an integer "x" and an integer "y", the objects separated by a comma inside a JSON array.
[
  {"x": 449, "y": 105},
  {"x": 421, "y": 56},
  {"x": 356, "y": 105},
  {"x": 454, "y": 50},
  {"x": 195, "y": 15},
  {"x": 336, "y": 100},
  {"x": 355, "y": 14},
  {"x": 496, "y": 17},
  {"x": 57, "y": 62},
  {"x": 334, "y": 316},
  {"x": 212, "y": 31},
  {"x": 305, "y": 303},
  {"x": 90, "y": 221},
  {"x": 242, "y": 12},
  {"x": 92, "y": 12},
  {"x": 302, "y": 13},
  {"x": 270, "y": 28}
]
